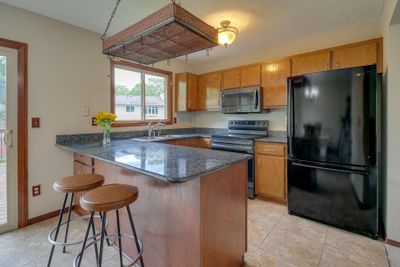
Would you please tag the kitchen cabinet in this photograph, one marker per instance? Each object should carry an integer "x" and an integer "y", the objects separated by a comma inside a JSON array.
[
  {"x": 274, "y": 75},
  {"x": 209, "y": 92},
  {"x": 204, "y": 142},
  {"x": 242, "y": 77},
  {"x": 271, "y": 171},
  {"x": 250, "y": 75},
  {"x": 354, "y": 56},
  {"x": 309, "y": 63},
  {"x": 199, "y": 142},
  {"x": 231, "y": 78},
  {"x": 186, "y": 88}
]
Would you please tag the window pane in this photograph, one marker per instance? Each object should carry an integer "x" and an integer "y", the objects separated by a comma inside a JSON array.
[
  {"x": 128, "y": 103},
  {"x": 156, "y": 97}
]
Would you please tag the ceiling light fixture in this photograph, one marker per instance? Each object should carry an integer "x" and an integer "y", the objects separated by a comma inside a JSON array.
[{"x": 226, "y": 34}]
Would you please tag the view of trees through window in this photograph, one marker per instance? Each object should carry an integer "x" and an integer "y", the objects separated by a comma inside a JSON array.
[{"x": 133, "y": 100}]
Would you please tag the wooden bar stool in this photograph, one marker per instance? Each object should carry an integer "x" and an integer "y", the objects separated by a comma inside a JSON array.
[
  {"x": 107, "y": 198},
  {"x": 71, "y": 185}
]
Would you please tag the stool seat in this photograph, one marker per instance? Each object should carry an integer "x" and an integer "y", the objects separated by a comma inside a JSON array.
[
  {"x": 78, "y": 183},
  {"x": 109, "y": 197}
]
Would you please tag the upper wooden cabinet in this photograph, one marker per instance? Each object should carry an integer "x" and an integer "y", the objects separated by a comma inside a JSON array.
[
  {"x": 310, "y": 63},
  {"x": 274, "y": 76},
  {"x": 231, "y": 78},
  {"x": 354, "y": 56},
  {"x": 242, "y": 77},
  {"x": 209, "y": 91},
  {"x": 250, "y": 75},
  {"x": 186, "y": 87}
]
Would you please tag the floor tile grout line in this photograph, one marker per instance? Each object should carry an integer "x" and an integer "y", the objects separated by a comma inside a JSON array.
[{"x": 323, "y": 247}]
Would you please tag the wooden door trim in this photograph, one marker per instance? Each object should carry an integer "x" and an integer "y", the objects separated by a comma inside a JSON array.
[{"x": 22, "y": 49}]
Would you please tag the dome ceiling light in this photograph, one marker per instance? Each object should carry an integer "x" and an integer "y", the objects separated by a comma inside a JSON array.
[{"x": 226, "y": 34}]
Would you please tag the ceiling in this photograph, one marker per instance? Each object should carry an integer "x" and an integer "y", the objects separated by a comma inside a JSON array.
[{"x": 261, "y": 23}]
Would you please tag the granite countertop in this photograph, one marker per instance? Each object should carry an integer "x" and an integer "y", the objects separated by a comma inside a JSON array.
[
  {"x": 165, "y": 162},
  {"x": 272, "y": 139}
]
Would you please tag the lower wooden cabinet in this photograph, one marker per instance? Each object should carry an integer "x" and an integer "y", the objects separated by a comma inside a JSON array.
[
  {"x": 271, "y": 171},
  {"x": 199, "y": 142}
]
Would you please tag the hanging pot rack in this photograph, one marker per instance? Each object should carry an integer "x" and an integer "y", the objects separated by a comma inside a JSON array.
[{"x": 167, "y": 33}]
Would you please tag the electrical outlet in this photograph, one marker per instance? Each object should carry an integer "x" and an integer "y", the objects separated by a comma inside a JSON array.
[
  {"x": 94, "y": 121},
  {"x": 36, "y": 190},
  {"x": 35, "y": 122}
]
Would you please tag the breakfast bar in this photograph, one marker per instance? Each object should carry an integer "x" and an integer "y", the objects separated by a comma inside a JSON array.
[{"x": 191, "y": 209}]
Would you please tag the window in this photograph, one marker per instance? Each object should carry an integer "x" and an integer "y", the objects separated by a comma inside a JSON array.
[
  {"x": 152, "y": 110},
  {"x": 140, "y": 94},
  {"x": 130, "y": 108}
]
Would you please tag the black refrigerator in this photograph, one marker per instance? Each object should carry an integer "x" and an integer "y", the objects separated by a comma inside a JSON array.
[{"x": 333, "y": 132}]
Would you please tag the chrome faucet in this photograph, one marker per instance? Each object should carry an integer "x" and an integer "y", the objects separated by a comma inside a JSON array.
[{"x": 151, "y": 127}]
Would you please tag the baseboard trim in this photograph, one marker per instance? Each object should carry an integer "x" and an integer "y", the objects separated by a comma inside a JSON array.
[
  {"x": 47, "y": 216},
  {"x": 393, "y": 242}
]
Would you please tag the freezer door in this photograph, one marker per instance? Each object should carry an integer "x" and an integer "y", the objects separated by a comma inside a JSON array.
[{"x": 341, "y": 198}]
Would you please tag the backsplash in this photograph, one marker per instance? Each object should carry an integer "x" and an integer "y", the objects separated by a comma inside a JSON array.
[{"x": 68, "y": 139}]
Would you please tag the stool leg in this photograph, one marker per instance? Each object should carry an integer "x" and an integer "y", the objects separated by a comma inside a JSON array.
[
  {"x": 119, "y": 239},
  {"x": 95, "y": 243},
  {"x": 108, "y": 241},
  {"x": 68, "y": 220},
  {"x": 134, "y": 234},
  {"x": 86, "y": 237},
  {"x": 103, "y": 227},
  {"x": 58, "y": 228}
]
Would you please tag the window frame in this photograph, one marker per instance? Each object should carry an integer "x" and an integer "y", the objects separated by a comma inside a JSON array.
[{"x": 150, "y": 70}]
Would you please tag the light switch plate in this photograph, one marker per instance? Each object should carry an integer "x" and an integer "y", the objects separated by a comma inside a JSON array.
[
  {"x": 85, "y": 112},
  {"x": 35, "y": 122}
]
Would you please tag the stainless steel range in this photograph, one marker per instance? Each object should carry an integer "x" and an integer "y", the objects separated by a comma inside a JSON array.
[{"x": 240, "y": 138}]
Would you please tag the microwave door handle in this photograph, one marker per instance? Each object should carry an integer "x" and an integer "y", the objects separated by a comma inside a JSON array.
[{"x": 255, "y": 99}]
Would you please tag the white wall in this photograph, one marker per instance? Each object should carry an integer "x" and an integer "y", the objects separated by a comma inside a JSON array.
[
  {"x": 390, "y": 122},
  {"x": 66, "y": 72}
]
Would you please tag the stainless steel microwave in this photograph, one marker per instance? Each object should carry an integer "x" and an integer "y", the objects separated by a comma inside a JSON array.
[{"x": 241, "y": 100}]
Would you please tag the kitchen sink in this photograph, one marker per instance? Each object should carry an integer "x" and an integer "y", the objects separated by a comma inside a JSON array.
[
  {"x": 148, "y": 138},
  {"x": 155, "y": 138}
]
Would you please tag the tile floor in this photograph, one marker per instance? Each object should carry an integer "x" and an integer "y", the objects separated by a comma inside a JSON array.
[{"x": 275, "y": 239}]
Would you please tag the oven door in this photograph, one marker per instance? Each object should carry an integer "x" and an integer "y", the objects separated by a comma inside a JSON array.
[{"x": 251, "y": 193}]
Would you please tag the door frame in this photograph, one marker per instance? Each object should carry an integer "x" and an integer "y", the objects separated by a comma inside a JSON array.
[{"x": 22, "y": 50}]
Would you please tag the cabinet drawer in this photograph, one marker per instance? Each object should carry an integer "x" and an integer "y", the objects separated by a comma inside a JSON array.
[
  {"x": 83, "y": 159},
  {"x": 271, "y": 149}
]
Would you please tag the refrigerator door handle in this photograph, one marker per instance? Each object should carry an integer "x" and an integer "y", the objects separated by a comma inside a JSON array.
[{"x": 325, "y": 168}]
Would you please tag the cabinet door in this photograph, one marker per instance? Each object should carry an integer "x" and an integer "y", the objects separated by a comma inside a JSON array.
[
  {"x": 185, "y": 92},
  {"x": 311, "y": 63},
  {"x": 250, "y": 75},
  {"x": 192, "y": 90},
  {"x": 231, "y": 78},
  {"x": 271, "y": 176},
  {"x": 355, "y": 56},
  {"x": 274, "y": 83},
  {"x": 180, "y": 91},
  {"x": 209, "y": 91},
  {"x": 204, "y": 143}
]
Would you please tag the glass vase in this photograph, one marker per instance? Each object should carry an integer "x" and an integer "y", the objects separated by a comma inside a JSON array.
[{"x": 106, "y": 134}]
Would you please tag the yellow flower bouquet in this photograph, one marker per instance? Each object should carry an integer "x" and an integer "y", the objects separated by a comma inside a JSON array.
[{"x": 105, "y": 120}]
